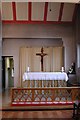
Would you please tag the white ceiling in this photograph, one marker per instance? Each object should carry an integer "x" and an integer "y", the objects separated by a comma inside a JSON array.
[
  {"x": 70, "y": 1},
  {"x": 21, "y": 9},
  {"x": 38, "y": 12}
]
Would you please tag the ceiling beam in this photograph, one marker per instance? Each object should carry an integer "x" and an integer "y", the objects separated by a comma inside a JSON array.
[
  {"x": 45, "y": 11},
  {"x": 29, "y": 11},
  {"x": 74, "y": 13},
  {"x": 61, "y": 11},
  {"x": 45, "y": 15},
  {"x": 14, "y": 11}
]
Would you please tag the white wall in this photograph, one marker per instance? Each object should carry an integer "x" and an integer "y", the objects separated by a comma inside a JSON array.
[{"x": 11, "y": 46}]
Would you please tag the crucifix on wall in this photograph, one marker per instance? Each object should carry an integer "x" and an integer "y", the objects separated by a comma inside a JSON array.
[{"x": 42, "y": 54}]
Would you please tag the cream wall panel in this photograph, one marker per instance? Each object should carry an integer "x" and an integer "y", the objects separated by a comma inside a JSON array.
[
  {"x": 22, "y": 10},
  {"x": 68, "y": 12},
  {"x": 53, "y": 11},
  {"x": 38, "y": 11},
  {"x": 7, "y": 12}
]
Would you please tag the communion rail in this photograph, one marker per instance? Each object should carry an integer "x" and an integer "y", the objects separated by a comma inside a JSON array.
[{"x": 44, "y": 96}]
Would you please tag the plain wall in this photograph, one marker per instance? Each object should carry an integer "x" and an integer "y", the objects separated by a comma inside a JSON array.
[
  {"x": 17, "y": 35},
  {"x": 0, "y": 57},
  {"x": 77, "y": 28}
]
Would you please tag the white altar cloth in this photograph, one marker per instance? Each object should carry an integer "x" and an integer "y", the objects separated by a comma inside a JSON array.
[{"x": 45, "y": 76}]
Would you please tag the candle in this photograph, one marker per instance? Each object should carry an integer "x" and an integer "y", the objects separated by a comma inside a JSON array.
[
  {"x": 62, "y": 69},
  {"x": 28, "y": 69}
]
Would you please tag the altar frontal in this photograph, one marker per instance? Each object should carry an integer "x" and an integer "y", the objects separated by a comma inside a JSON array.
[{"x": 45, "y": 79}]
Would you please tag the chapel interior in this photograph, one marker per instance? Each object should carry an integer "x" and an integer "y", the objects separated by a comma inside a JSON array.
[{"x": 39, "y": 60}]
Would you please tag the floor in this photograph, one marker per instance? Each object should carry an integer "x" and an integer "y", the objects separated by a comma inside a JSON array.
[
  {"x": 30, "y": 112},
  {"x": 38, "y": 114}
]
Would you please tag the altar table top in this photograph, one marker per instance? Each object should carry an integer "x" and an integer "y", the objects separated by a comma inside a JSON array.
[{"x": 45, "y": 76}]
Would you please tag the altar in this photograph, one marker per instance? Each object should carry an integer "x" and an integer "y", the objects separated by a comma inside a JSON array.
[{"x": 45, "y": 79}]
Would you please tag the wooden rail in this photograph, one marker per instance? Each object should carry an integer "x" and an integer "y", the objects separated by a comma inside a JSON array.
[{"x": 45, "y": 96}]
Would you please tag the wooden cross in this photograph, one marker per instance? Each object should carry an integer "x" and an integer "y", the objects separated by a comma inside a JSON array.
[{"x": 41, "y": 55}]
